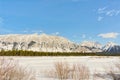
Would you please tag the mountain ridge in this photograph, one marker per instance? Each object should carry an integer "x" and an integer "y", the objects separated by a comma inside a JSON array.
[{"x": 52, "y": 43}]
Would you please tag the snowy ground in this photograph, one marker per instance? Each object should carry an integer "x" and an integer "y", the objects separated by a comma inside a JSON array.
[{"x": 41, "y": 64}]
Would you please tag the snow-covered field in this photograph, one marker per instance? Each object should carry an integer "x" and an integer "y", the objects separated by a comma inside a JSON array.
[{"x": 41, "y": 64}]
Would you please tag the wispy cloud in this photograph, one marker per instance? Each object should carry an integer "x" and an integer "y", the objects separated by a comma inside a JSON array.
[
  {"x": 83, "y": 36},
  {"x": 90, "y": 37},
  {"x": 113, "y": 12},
  {"x": 105, "y": 11},
  {"x": 108, "y": 12},
  {"x": 100, "y": 18},
  {"x": 109, "y": 35},
  {"x": 79, "y": 36},
  {"x": 56, "y": 33},
  {"x": 102, "y": 10},
  {"x": 33, "y": 31},
  {"x": 37, "y": 31}
]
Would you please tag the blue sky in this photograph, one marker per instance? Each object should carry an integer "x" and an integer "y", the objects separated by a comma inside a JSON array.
[{"x": 77, "y": 20}]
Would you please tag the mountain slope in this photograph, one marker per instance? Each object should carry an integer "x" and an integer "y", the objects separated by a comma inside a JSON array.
[
  {"x": 35, "y": 42},
  {"x": 111, "y": 47},
  {"x": 50, "y": 43},
  {"x": 92, "y": 46}
]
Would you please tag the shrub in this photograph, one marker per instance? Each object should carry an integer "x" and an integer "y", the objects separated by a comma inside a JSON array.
[
  {"x": 80, "y": 72},
  {"x": 63, "y": 71},
  {"x": 11, "y": 70},
  {"x": 113, "y": 72}
]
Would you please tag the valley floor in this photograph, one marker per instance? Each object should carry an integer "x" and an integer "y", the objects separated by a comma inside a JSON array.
[{"x": 42, "y": 64}]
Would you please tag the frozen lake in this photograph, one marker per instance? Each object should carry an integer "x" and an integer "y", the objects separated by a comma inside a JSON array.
[{"x": 41, "y": 64}]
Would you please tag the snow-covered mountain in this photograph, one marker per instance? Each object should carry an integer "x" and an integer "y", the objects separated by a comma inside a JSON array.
[
  {"x": 111, "y": 48},
  {"x": 51, "y": 43},
  {"x": 92, "y": 46},
  {"x": 35, "y": 42}
]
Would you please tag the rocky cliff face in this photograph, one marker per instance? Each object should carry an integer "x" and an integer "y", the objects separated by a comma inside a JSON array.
[
  {"x": 36, "y": 42},
  {"x": 49, "y": 43}
]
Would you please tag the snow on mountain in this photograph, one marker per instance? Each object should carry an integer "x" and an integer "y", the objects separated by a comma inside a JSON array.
[
  {"x": 35, "y": 42},
  {"x": 51, "y": 43},
  {"x": 91, "y": 44},
  {"x": 111, "y": 47}
]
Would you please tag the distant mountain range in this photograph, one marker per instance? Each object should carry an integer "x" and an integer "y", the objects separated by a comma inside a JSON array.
[{"x": 50, "y": 43}]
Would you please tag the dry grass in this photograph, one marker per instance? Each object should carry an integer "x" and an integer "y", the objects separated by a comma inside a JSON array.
[
  {"x": 63, "y": 71},
  {"x": 113, "y": 72},
  {"x": 11, "y": 70},
  {"x": 80, "y": 72}
]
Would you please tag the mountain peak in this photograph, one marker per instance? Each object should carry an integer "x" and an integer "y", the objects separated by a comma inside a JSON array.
[
  {"x": 91, "y": 44},
  {"x": 111, "y": 47},
  {"x": 111, "y": 44},
  {"x": 51, "y": 43}
]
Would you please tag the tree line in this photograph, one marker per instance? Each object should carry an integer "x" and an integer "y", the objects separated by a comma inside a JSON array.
[{"x": 33, "y": 53}]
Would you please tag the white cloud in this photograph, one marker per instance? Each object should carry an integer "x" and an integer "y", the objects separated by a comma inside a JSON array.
[
  {"x": 113, "y": 12},
  {"x": 105, "y": 11},
  {"x": 37, "y": 31},
  {"x": 108, "y": 12},
  {"x": 83, "y": 36},
  {"x": 100, "y": 18},
  {"x": 90, "y": 37},
  {"x": 32, "y": 31},
  {"x": 56, "y": 33},
  {"x": 109, "y": 35},
  {"x": 102, "y": 10}
]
